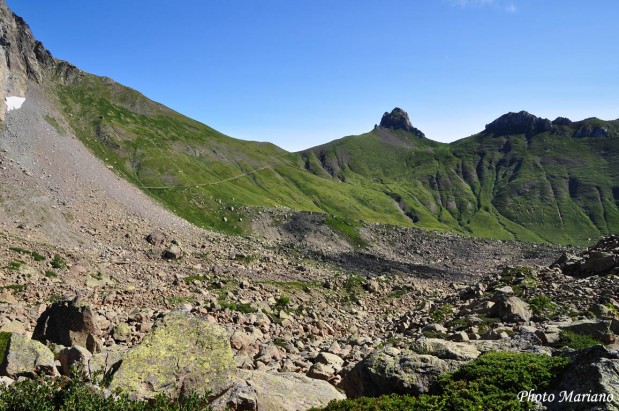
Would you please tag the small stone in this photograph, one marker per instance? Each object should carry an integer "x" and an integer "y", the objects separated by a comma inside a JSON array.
[
  {"x": 122, "y": 332},
  {"x": 172, "y": 253}
]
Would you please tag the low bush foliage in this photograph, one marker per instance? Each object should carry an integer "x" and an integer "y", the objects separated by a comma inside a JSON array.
[
  {"x": 491, "y": 382},
  {"x": 569, "y": 339},
  {"x": 77, "y": 394}
]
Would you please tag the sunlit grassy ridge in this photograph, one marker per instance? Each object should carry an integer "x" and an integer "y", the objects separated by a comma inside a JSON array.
[
  {"x": 550, "y": 186},
  {"x": 198, "y": 172}
]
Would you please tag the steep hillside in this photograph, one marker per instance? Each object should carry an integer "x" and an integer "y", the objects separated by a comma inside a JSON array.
[
  {"x": 205, "y": 176},
  {"x": 523, "y": 177}
]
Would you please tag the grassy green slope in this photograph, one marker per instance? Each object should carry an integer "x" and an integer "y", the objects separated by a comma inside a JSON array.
[
  {"x": 550, "y": 186},
  {"x": 198, "y": 172}
]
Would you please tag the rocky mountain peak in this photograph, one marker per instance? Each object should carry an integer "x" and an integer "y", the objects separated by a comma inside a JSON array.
[
  {"x": 518, "y": 123},
  {"x": 398, "y": 120}
]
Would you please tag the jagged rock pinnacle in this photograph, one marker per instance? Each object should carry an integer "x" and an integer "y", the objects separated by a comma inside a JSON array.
[{"x": 398, "y": 120}]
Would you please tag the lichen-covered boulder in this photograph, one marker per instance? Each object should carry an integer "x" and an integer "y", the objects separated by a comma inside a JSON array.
[
  {"x": 257, "y": 390},
  {"x": 183, "y": 353},
  {"x": 23, "y": 357},
  {"x": 106, "y": 362},
  {"x": 394, "y": 371}
]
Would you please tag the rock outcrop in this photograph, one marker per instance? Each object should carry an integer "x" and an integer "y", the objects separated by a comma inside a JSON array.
[
  {"x": 595, "y": 371},
  {"x": 22, "y": 58},
  {"x": 562, "y": 121},
  {"x": 518, "y": 123},
  {"x": 391, "y": 370},
  {"x": 592, "y": 130},
  {"x": 24, "y": 357},
  {"x": 68, "y": 323},
  {"x": 256, "y": 390},
  {"x": 398, "y": 120},
  {"x": 511, "y": 310},
  {"x": 601, "y": 259}
]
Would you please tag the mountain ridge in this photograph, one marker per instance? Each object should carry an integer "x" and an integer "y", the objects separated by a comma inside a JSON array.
[{"x": 522, "y": 177}]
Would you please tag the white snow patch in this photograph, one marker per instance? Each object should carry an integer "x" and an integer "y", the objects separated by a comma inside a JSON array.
[{"x": 14, "y": 103}]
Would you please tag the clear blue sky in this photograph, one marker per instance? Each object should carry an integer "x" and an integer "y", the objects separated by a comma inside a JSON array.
[{"x": 303, "y": 72}]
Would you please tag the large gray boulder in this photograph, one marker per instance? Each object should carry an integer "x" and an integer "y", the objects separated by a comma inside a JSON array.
[
  {"x": 73, "y": 358},
  {"x": 23, "y": 357},
  {"x": 601, "y": 259},
  {"x": 594, "y": 370},
  {"x": 390, "y": 371},
  {"x": 257, "y": 390},
  {"x": 598, "y": 329},
  {"x": 511, "y": 310},
  {"x": 68, "y": 323},
  {"x": 448, "y": 350},
  {"x": 183, "y": 353},
  {"x": 106, "y": 362}
]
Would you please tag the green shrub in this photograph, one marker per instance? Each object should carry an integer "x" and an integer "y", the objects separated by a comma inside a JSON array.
[
  {"x": 348, "y": 229},
  {"x": 397, "y": 293},
  {"x": 354, "y": 282},
  {"x": 244, "y": 308},
  {"x": 18, "y": 288},
  {"x": 569, "y": 339},
  {"x": 37, "y": 256},
  {"x": 458, "y": 324},
  {"x": 191, "y": 278},
  {"x": 392, "y": 402},
  {"x": 4, "y": 345},
  {"x": 247, "y": 259},
  {"x": 178, "y": 300},
  {"x": 491, "y": 382},
  {"x": 97, "y": 276},
  {"x": 543, "y": 305},
  {"x": 14, "y": 265},
  {"x": 50, "y": 274},
  {"x": 440, "y": 314},
  {"x": 282, "y": 302},
  {"x": 33, "y": 254},
  {"x": 58, "y": 262},
  {"x": 77, "y": 394}
]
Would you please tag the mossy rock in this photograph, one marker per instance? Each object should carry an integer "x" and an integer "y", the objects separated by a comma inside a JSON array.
[
  {"x": 4, "y": 345},
  {"x": 23, "y": 357},
  {"x": 183, "y": 353}
]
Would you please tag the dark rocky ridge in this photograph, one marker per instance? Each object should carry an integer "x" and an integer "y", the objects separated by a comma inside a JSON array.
[
  {"x": 518, "y": 123},
  {"x": 398, "y": 120},
  {"x": 24, "y": 59}
]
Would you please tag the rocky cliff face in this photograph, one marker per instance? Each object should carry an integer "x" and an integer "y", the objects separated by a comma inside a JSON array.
[
  {"x": 398, "y": 120},
  {"x": 518, "y": 123},
  {"x": 22, "y": 57}
]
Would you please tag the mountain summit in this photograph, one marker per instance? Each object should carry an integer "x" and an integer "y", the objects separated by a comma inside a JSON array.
[
  {"x": 398, "y": 120},
  {"x": 518, "y": 123}
]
